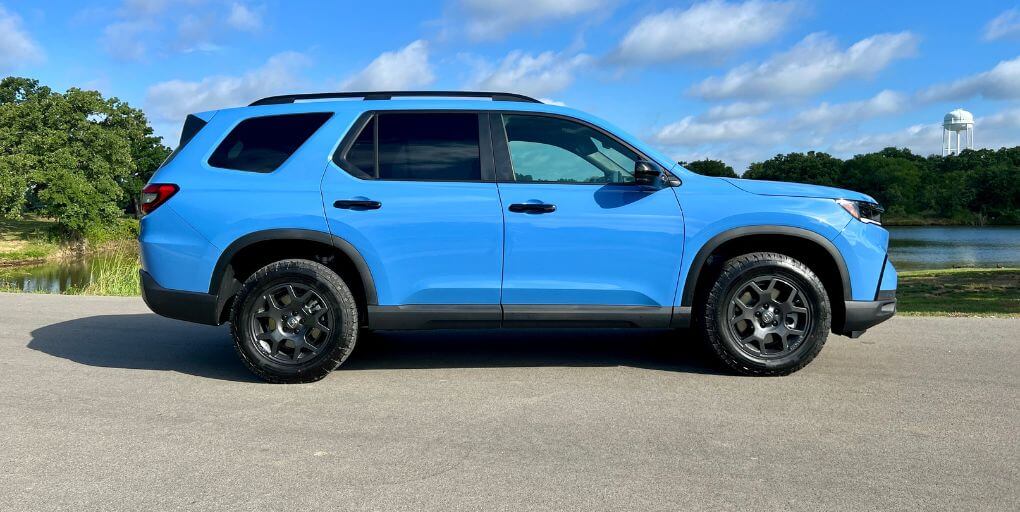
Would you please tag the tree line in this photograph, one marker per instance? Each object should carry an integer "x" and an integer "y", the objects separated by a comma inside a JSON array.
[
  {"x": 75, "y": 157},
  {"x": 976, "y": 187}
]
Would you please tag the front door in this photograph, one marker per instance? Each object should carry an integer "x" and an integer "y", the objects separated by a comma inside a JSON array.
[{"x": 580, "y": 234}]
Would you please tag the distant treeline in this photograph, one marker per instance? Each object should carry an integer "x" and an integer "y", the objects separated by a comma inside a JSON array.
[{"x": 976, "y": 187}]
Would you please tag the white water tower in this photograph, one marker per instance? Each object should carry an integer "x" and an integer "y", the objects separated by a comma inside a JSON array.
[{"x": 957, "y": 122}]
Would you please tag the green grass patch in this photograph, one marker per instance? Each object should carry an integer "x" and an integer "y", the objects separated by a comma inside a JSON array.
[
  {"x": 26, "y": 240},
  {"x": 961, "y": 292},
  {"x": 112, "y": 274}
]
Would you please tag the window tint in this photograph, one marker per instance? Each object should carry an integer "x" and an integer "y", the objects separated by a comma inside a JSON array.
[
  {"x": 362, "y": 152},
  {"x": 262, "y": 144},
  {"x": 428, "y": 146},
  {"x": 554, "y": 150}
]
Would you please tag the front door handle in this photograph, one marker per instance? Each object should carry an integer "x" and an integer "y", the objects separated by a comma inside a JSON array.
[
  {"x": 532, "y": 208},
  {"x": 357, "y": 204}
]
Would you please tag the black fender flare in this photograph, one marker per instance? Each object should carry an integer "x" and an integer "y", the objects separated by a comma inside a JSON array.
[
  {"x": 217, "y": 281},
  {"x": 690, "y": 283}
]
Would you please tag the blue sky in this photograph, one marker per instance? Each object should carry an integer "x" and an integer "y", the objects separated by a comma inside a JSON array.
[{"x": 734, "y": 80}]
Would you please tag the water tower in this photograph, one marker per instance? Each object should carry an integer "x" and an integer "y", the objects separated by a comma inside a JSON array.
[{"x": 956, "y": 122}]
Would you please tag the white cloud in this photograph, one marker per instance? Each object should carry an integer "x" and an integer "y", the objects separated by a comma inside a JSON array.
[
  {"x": 16, "y": 46},
  {"x": 122, "y": 40},
  {"x": 493, "y": 19},
  {"x": 923, "y": 139},
  {"x": 244, "y": 18},
  {"x": 828, "y": 115},
  {"x": 737, "y": 109},
  {"x": 1000, "y": 83},
  {"x": 1006, "y": 24},
  {"x": 694, "y": 131},
  {"x": 534, "y": 75},
  {"x": 405, "y": 68},
  {"x": 708, "y": 28},
  {"x": 811, "y": 66},
  {"x": 172, "y": 101}
]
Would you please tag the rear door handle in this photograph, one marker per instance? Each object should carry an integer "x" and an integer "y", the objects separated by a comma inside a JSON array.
[
  {"x": 532, "y": 208},
  {"x": 357, "y": 204}
]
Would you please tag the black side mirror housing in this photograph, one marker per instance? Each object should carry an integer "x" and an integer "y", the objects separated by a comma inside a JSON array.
[{"x": 646, "y": 173}]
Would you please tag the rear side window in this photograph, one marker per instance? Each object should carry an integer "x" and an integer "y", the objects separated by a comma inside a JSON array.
[
  {"x": 263, "y": 144},
  {"x": 433, "y": 146}
]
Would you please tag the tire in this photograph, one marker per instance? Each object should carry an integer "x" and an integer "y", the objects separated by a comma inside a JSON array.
[
  {"x": 766, "y": 314},
  {"x": 294, "y": 321}
]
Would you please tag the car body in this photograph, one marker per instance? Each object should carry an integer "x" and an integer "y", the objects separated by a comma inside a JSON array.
[{"x": 489, "y": 250}]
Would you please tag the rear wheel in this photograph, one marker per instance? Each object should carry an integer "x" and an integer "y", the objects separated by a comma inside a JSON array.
[
  {"x": 766, "y": 314},
  {"x": 294, "y": 321}
]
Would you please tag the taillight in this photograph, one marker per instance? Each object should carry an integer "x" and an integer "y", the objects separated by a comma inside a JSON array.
[{"x": 156, "y": 194}]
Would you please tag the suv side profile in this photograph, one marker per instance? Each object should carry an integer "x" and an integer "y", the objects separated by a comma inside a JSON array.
[{"x": 305, "y": 219}]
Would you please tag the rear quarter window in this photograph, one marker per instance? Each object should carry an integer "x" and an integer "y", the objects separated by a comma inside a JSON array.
[{"x": 263, "y": 144}]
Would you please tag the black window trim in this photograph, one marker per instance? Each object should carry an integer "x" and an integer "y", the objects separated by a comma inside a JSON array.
[
  {"x": 485, "y": 152},
  {"x": 226, "y": 134},
  {"x": 504, "y": 164}
]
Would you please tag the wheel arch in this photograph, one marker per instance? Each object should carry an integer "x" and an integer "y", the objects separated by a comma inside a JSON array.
[
  {"x": 820, "y": 253},
  {"x": 254, "y": 250}
]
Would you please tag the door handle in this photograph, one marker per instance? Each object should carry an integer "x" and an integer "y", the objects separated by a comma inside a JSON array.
[
  {"x": 357, "y": 204},
  {"x": 532, "y": 208}
]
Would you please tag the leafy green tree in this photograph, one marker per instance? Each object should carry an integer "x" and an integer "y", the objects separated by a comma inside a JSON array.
[
  {"x": 812, "y": 167},
  {"x": 710, "y": 168},
  {"x": 75, "y": 157},
  {"x": 891, "y": 176}
]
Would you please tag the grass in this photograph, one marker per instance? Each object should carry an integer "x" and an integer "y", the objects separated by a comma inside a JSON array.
[
  {"x": 114, "y": 274},
  {"x": 25, "y": 241},
  {"x": 960, "y": 292}
]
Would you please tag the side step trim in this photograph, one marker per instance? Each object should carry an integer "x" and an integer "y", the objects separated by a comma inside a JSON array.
[{"x": 476, "y": 316}]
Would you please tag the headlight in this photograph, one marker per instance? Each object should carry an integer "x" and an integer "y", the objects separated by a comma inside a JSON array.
[{"x": 863, "y": 210}]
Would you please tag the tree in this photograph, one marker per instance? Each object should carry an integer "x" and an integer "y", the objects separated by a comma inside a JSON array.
[
  {"x": 710, "y": 168},
  {"x": 811, "y": 167},
  {"x": 75, "y": 156}
]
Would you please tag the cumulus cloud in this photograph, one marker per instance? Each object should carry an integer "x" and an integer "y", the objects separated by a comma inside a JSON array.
[
  {"x": 244, "y": 18},
  {"x": 737, "y": 109},
  {"x": 405, "y": 68},
  {"x": 829, "y": 115},
  {"x": 493, "y": 19},
  {"x": 1004, "y": 25},
  {"x": 526, "y": 73},
  {"x": 1000, "y": 83},
  {"x": 813, "y": 65},
  {"x": 141, "y": 28},
  {"x": 695, "y": 131},
  {"x": 708, "y": 28},
  {"x": 16, "y": 46},
  {"x": 173, "y": 100}
]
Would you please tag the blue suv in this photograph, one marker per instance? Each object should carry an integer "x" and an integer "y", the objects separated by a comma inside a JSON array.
[{"x": 304, "y": 220}]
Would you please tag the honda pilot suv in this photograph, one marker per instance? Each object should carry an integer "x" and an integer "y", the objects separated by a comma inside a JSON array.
[{"x": 305, "y": 220}]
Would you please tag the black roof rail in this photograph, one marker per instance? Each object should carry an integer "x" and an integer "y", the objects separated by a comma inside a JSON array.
[{"x": 386, "y": 95}]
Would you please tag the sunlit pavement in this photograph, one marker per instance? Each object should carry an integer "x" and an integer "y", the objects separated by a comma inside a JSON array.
[{"x": 107, "y": 407}]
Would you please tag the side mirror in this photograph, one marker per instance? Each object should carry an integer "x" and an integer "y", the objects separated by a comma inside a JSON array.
[{"x": 646, "y": 173}]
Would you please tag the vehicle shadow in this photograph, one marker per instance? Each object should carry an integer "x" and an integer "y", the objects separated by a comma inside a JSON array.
[{"x": 151, "y": 342}]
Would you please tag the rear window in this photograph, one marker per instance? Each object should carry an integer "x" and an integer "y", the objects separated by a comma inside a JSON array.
[
  {"x": 433, "y": 146},
  {"x": 263, "y": 144}
]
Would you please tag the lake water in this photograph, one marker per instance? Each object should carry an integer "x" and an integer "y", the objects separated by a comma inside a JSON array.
[
  {"x": 927, "y": 247},
  {"x": 911, "y": 248}
]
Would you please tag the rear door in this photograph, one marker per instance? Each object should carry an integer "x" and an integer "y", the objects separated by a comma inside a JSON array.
[
  {"x": 579, "y": 232},
  {"x": 414, "y": 193}
]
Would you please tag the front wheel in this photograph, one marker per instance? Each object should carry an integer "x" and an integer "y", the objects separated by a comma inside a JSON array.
[
  {"x": 766, "y": 314},
  {"x": 294, "y": 321}
]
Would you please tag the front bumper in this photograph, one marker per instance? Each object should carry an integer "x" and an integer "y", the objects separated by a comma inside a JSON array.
[
  {"x": 202, "y": 308},
  {"x": 862, "y": 314}
]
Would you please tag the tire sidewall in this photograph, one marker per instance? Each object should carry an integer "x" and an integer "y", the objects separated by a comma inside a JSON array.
[
  {"x": 336, "y": 296},
  {"x": 813, "y": 293}
]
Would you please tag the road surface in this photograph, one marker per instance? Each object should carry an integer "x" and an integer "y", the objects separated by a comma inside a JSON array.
[{"x": 108, "y": 407}]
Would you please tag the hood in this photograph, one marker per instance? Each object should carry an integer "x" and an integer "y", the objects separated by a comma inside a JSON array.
[{"x": 783, "y": 188}]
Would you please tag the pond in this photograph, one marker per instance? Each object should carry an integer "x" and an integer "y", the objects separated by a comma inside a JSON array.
[{"x": 911, "y": 248}]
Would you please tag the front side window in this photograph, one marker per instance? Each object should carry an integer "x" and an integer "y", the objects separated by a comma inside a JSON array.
[
  {"x": 430, "y": 146},
  {"x": 263, "y": 144},
  {"x": 553, "y": 150}
]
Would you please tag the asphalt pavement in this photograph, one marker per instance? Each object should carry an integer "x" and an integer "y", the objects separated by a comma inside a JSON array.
[{"x": 105, "y": 406}]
